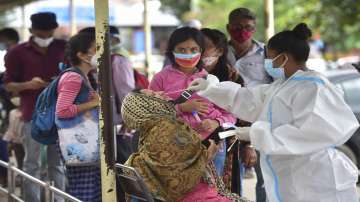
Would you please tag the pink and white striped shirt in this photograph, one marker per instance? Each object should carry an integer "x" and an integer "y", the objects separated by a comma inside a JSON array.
[{"x": 68, "y": 88}]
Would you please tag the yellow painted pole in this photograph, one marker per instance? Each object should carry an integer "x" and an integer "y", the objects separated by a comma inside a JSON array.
[
  {"x": 24, "y": 30},
  {"x": 72, "y": 16},
  {"x": 147, "y": 33},
  {"x": 108, "y": 181}
]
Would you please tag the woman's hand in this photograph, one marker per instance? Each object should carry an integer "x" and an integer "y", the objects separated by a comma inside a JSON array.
[
  {"x": 201, "y": 84},
  {"x": 208, "y": 125},
  {"x": 233, "y": 74},
  {"x": 158, "y": 94},
  {"x": 194, "y": 105},
  {"x": 125, "y": 131},
  {"x": 94, "y": 99},
  {"x": 212, "y": 150},
  {"x": 198, "y": 84},
  {"x": 249, "y": 156},
  {"x": 92, "y": 103}
]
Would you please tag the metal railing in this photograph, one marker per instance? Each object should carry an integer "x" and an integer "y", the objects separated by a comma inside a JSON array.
[{"x": 50, "y": 190}]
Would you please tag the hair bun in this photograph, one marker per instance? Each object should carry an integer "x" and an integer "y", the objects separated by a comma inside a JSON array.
[{"x": 302, "y": 31}]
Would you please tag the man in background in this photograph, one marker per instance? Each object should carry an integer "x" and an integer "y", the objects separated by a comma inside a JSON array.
[
  {"x": 247, "y": 56},
  {"x": 30, "y": 67},
  {"x": 9, "y": 38}
]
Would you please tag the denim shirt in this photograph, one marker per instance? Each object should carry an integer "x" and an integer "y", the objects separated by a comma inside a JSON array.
[{"x": 250, "y": 66}]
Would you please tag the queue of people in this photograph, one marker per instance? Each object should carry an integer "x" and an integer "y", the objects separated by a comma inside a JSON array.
[
  {"x": 30, "y": 67},
  {"x": 290, "y": 115}
]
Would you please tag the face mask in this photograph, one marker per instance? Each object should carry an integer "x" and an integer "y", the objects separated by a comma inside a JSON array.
[
  {"x": 208, "y": 61},
  {"x": 187, "y": 60},
  {"x": 240, "y": 36},
  {"x": 3, "y": 46},
  {"x": 116, "y": 46},
  {"x": 278, "y": 72},
  {"x": 43, "y": 43},
  {"x": 93, "y": 61}
]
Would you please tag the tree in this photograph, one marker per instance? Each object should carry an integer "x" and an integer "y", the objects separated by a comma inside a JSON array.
[
  {"x": 337, "y": 21},
  {"x": 177, "y": 7},
  {"x": 214, "y": 13}
]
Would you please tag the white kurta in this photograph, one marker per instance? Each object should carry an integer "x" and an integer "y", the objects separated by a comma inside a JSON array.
[{"x": 297, "y": 124}]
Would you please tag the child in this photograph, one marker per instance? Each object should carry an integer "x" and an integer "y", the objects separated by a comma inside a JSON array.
[{"x": 185, "y": 48}]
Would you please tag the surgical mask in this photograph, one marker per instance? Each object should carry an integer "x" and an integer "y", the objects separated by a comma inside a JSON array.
[
  {"x": 116, "y": 46},
  {"x": 275, "y": 72},
  {"x": 43, "y": 43},
  {"x": 187, "y": 60},
  {"x": 240, "y": 35},
  {"x": 93, "y": 61},
  {"x": 208, "y": 61},
  {"x": 3, "y": 46}
]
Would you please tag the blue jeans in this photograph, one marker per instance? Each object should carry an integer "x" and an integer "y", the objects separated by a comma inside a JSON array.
[
  {"x": 242, "y": 173},
  {"x": 32, "y": 166},
  {"x": 219, "y": 159},
  {"x": 3, "y": 156}
]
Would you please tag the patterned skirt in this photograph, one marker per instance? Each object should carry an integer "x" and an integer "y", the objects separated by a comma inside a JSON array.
[{"x": 84, "y": 182}]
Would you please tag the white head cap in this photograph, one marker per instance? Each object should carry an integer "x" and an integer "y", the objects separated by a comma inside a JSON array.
[{"x": 194, "y": 24}]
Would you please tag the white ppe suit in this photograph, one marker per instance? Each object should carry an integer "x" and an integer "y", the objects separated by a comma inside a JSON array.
[{"x": 297, "y": 123}]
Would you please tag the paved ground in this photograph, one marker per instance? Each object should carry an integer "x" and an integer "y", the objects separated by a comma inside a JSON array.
[
  {"x": 3, "y": 197},
  {"x": 249, "y": 190}
]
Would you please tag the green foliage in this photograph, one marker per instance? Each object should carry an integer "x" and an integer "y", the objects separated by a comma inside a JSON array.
[
  {"x": 214, "y": 13},
  {"x": 177, "y": 7},
  {"x": 337, "y": 21}
]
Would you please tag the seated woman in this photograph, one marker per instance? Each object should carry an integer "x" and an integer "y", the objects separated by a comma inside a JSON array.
[{"x": 171, "y": 158}]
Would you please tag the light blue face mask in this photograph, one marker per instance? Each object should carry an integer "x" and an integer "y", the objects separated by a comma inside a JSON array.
[
  {"x": 277, "y": 72},
  {"x": 185, "y": 56}
]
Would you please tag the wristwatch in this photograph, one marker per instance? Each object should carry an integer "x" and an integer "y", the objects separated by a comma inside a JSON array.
[{"x": 185, "y": 95}]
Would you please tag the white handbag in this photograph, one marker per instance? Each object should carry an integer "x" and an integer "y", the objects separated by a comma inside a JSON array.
[{"x": 79, "y": 139}]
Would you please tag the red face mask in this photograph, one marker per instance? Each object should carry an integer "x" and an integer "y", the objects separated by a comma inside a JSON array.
[
  {"x": 187, "y": 60},
  {"x": 240, "y": 36}
]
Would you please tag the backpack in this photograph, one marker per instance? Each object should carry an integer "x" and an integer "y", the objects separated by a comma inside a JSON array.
[
  {"x": 141, "y": 82},
  {"x": 43, "y": 128}
]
